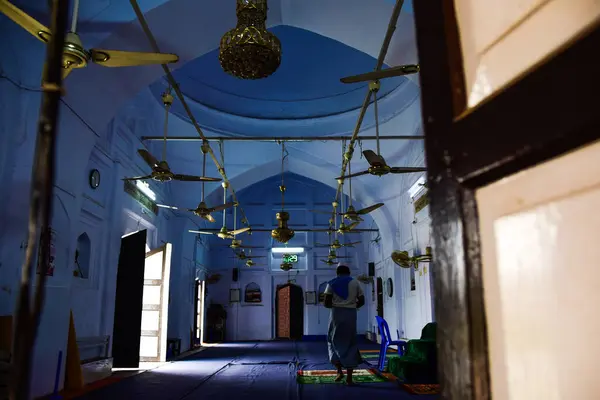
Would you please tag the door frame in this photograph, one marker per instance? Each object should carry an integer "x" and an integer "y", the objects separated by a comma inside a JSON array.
[
  {"x": 163, "y": 307},
  {"x": 547, "y": 112}
]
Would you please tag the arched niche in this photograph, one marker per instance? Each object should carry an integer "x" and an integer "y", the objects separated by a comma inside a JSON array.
[
  {"x": 252, "y": 293},
  {"x": 322, "y": 288},
  {"x": 83, "y": 256}
]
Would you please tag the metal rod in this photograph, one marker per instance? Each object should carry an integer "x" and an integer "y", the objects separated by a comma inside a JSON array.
[
  {"x": 175, "y": 86},
  {"x": 40, "y": 208},
  {"x": 295, "y": 230},
  {"x": 380, "y": 60},
  {"x": 278, "y": 139}
]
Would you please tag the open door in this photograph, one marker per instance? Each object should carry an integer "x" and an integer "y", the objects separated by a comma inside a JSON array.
[
  {"x": 503, "y": 100},
  {"x": 199, "y": 313},
  {"x": 128, "y": 301},
  {"x": 155, "y": 305}
]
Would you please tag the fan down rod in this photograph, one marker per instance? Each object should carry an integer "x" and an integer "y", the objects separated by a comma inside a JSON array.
[
  {"x": 175, "y": 86},
  {"x": 277, "y": 138},
  {"x": 380, "y": 60},
  {"x": 27, "y": 316}
]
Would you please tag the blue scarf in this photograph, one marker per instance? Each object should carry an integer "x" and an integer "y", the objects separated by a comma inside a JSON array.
[{"x": 340, "y": 286}]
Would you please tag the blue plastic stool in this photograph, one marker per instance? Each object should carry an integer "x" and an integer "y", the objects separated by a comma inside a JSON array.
[{"x": 386, "y": 341}]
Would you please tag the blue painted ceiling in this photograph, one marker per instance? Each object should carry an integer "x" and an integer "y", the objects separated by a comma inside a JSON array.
[
  {"x": 306, "y": 85},
  {"x": 322, "y": 42}
]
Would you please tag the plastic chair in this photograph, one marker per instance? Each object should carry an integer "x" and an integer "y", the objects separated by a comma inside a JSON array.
[{"x": 387, "y": 341}]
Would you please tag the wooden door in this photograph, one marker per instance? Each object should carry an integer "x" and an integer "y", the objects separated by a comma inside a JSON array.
[
  {"x": 155, "y": 307},
  {"x": 128, "y": 301},
  {"x": 546, "y": 110},
  {"x": 289, "y": 312}
]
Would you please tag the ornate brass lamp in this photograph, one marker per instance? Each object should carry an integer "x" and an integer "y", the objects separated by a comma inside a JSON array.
[
  {"x": 282, "y": 233},
  {"x": 249, "y": 51}
]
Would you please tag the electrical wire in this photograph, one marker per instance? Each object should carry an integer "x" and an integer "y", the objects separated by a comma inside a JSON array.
[{"x": 40, "y": 207}]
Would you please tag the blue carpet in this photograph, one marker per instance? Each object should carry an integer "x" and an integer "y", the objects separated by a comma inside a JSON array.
[{"x": 245, "y": 371}]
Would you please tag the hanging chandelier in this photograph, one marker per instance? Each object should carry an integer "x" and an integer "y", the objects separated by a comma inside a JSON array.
[{"x": 249, "y": 51}]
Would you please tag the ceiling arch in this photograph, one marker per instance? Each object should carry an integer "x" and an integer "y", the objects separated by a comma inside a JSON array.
[
  {"x": 192, "y": 28},
  {"x": 382, "y": 217}
]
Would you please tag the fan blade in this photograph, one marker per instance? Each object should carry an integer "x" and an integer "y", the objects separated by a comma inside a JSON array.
[
  {"x": 221, "y": 207},
  {"x": 209, "y": 218},
  {"x": 384, "y": 73},
  {"x": 338, "y": 257},
  {"x": 322, "y": 245},
  {"x": 238, "y": 231},
  {"x": 251, "y": 247},
  {"x": 118, "y": 58},
  {"x": 370, "y": 209},
  {"x": 202, "y": 232},
  {"x": 138, "y": 178},
  {"x": 373, "y": 158},
  {"x": 192, "y": 178},
  {"x": 353, "y": 175},
  {"x": 352, "y": 225},
  {"x": 165, "y": 206},
  {"x": 25, "y": 21},
  {"x": 253, "y": 257},
  {"x": 406, "y": 170},
  {"x": 351, "y": 244},
  {"x": 148, "y": 158}
]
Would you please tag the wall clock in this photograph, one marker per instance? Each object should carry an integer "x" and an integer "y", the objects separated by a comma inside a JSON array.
[
  {"x": 390, "y": 287},
  {"x": 94, "y": 178}
]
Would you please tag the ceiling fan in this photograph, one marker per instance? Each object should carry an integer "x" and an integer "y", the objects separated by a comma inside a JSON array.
[
  {"x": 389, "y": 72},
  {"x": 160, "y": 169},
  {"x": 237, "y": 244},
  {"x": 74, "y": 54},
  {"x": 352, "y": 214},
  {"x": 377, "y": 164},
  {"x": 250, "y": 263},
  {"x": 241, "y": 255},
  {"x": 336, "y": 244},
  {"x": 202, "y": 210},
  {"x": 332, "y": 257},
  {"x": 224, "y": 233}
]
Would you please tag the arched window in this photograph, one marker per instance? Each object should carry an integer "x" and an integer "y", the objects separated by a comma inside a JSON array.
[
  {"x": 322, "y": 288},
  {"x": 83, "y": 256},
  {"x": 252, "y": 293}
]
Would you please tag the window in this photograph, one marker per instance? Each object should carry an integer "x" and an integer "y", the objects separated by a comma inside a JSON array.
[
  {"x": 252, "y": 294},
  {"x": 82, "y": 257}
]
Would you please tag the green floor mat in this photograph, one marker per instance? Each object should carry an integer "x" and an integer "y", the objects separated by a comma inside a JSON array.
[{"x": 328, "y": 376}]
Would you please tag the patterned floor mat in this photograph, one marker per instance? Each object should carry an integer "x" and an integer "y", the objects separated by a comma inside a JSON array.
[
  {"x": 328, "y": 376},
  {"x": 422, "y": 388}
]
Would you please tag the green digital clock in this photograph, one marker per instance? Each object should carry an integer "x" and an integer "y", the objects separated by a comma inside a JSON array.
[{"x": 290, "y": 258}]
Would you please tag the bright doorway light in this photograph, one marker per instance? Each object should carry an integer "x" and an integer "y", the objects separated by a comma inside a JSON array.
[
  {"x": 145, "y": 188},
  {"x": 417, "y": 187},
  {"x": 287, "y": 250}
]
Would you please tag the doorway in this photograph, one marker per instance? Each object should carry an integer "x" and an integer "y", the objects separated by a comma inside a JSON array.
[
  {"x": 128, "y": 301},
  {"x": 289, "y": 312},
  {"x": 155, "y": 305},
  {"x": 199, "y": 296},
  {"x": 380, "y": 297}
]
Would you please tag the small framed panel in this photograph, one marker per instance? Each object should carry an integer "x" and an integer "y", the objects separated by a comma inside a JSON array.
[
  {"x": 311, "y": 297},
  {"x": 234, "y": 295}
]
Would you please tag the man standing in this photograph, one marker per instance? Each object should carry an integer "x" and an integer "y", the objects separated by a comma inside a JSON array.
[{"x": 343, "y": 296}]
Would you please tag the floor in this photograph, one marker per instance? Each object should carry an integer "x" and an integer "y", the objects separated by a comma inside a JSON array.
[{"x": 246, "y": 371}]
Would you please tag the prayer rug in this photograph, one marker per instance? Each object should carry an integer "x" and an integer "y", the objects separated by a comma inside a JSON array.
[
  {"x": 328, "y": 376},
  {"x": 422, "y": 388}
]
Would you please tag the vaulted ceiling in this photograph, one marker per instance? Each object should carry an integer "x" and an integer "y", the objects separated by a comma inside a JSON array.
[{"x": 322, "y": 41}]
